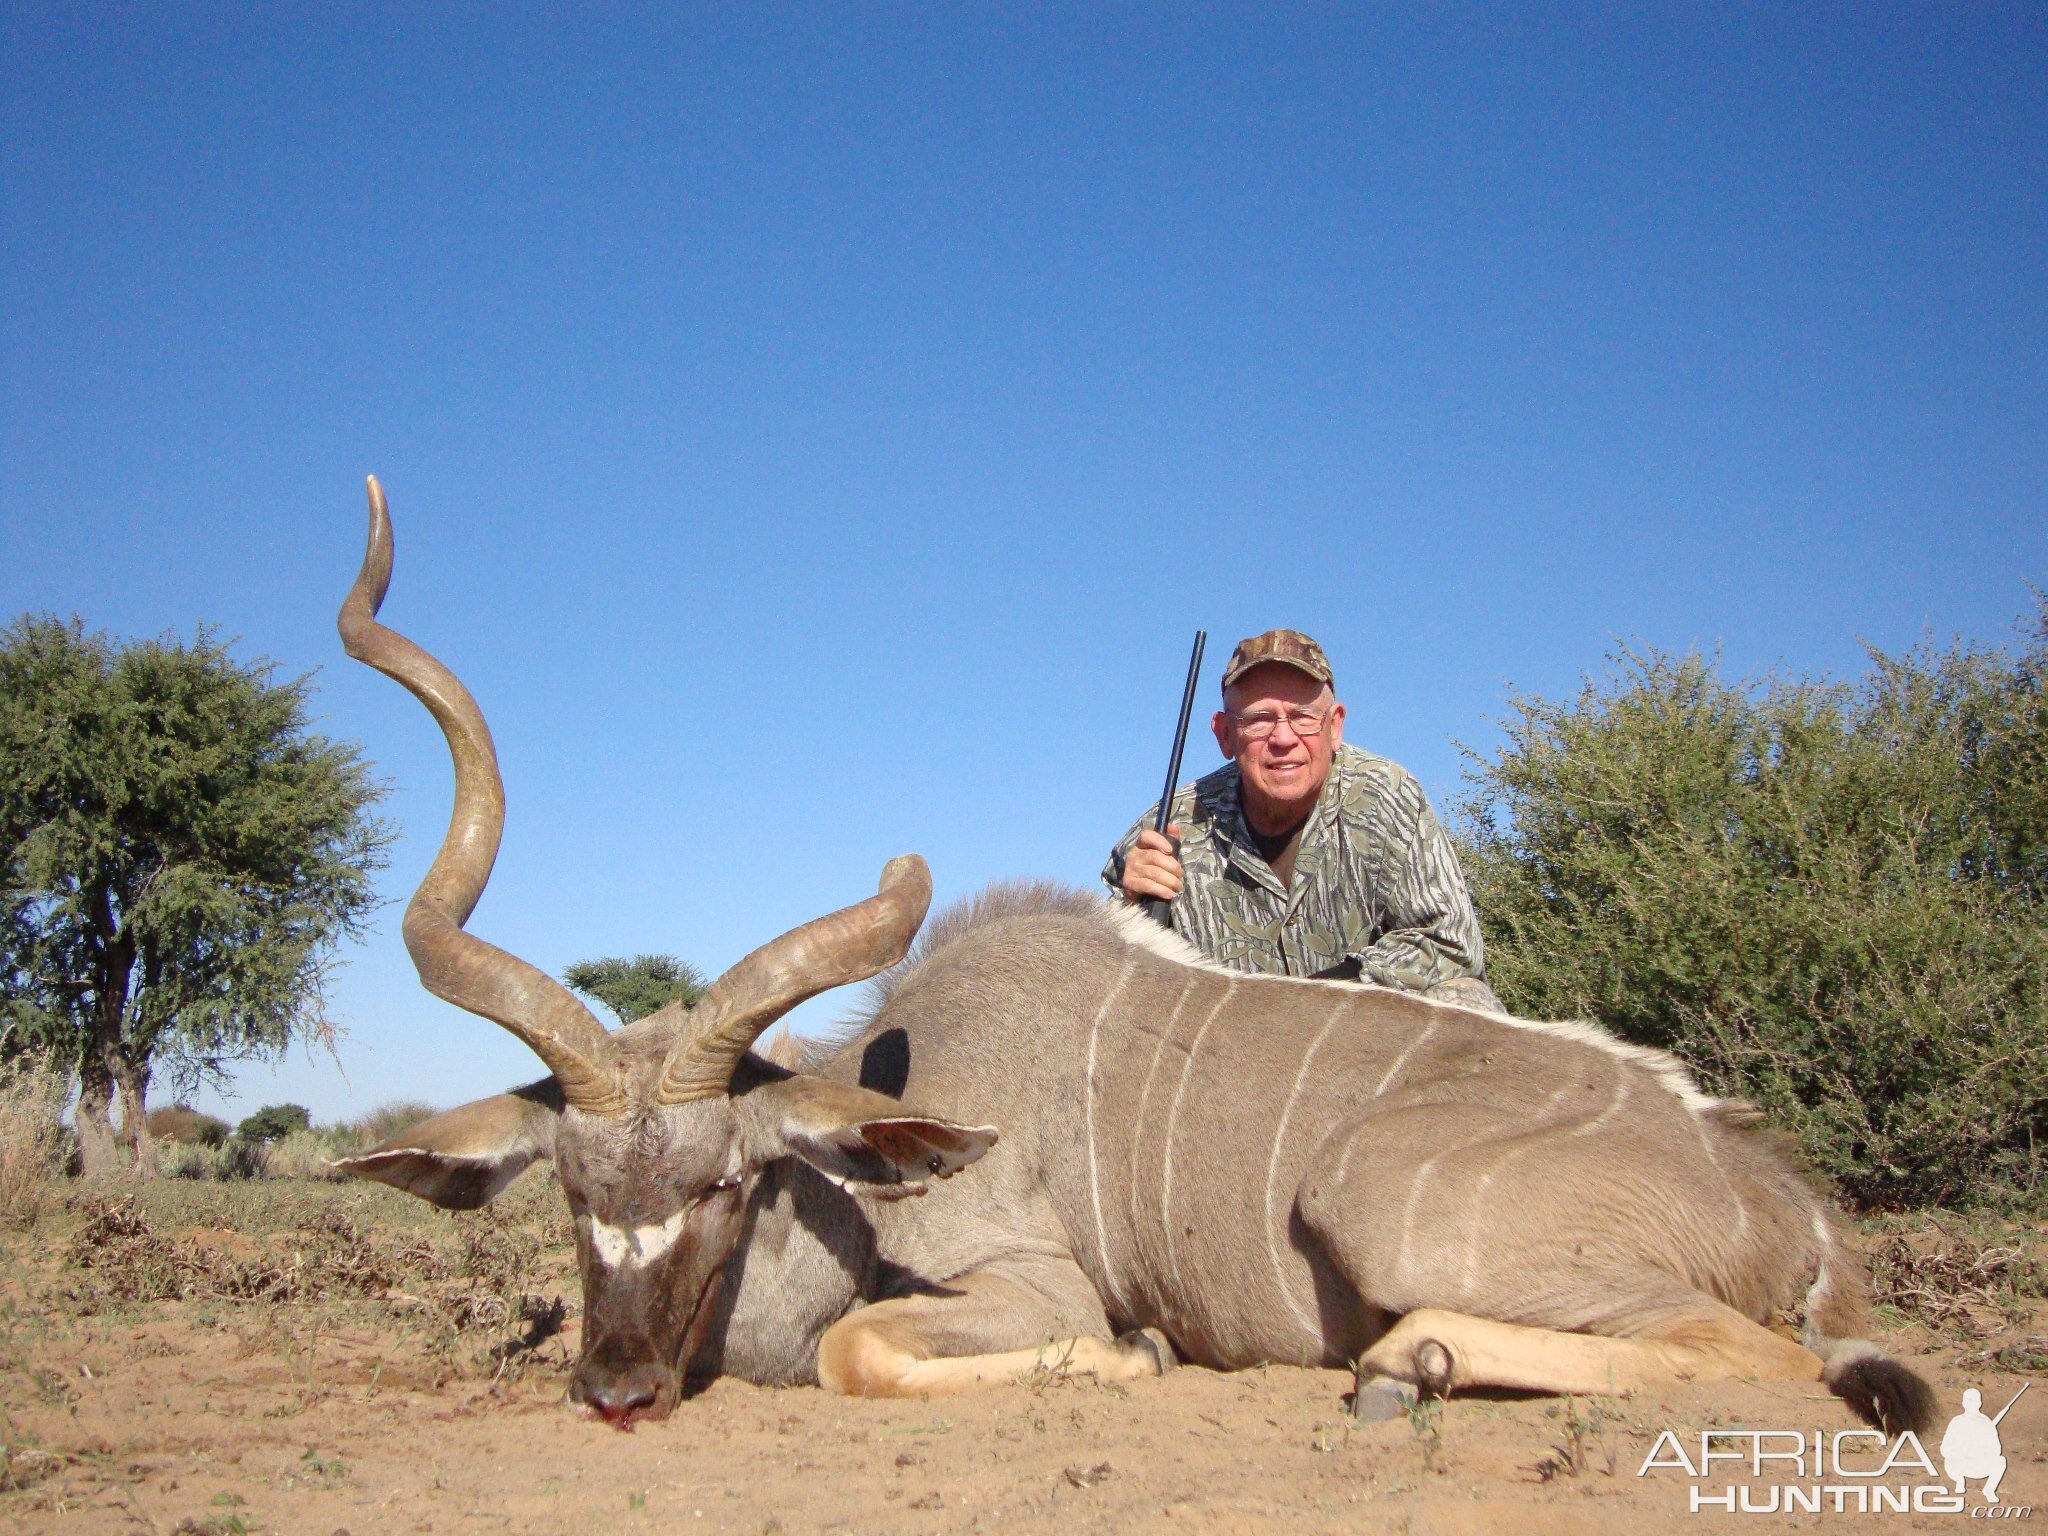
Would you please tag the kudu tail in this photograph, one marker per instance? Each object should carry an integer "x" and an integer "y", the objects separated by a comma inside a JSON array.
[{"x": 1886, "y": 1393}]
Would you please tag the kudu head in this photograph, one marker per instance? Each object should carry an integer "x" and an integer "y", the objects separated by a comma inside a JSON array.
[{"x": 659, "y": 1129}]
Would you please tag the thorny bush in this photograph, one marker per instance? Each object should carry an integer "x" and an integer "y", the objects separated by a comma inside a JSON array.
[
  {"x": 484, "y": 1282},
  {"x": 1829, "y": 898}
]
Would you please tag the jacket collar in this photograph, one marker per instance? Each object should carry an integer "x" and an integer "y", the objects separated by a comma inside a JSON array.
[{"x": 1225, "y": 803}]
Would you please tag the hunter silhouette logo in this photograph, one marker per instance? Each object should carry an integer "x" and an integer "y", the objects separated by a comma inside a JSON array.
[{"x": 1970, "y": 1447}]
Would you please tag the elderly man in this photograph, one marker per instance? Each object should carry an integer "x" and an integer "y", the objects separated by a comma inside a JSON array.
[{"x": 1302, "y": 856}]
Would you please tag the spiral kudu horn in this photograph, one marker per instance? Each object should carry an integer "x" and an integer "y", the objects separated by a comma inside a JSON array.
[
  {"x": 849, "y": 945},
  {"x": 454, "y": 965}
]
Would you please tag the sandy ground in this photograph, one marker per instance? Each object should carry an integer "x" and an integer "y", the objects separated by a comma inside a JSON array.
[{"x": 402, "y": 1411}]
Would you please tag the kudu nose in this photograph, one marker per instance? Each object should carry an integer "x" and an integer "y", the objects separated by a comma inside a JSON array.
[
  {"x": 620, "y": 1399},
  {"x": 622, "y": 1405}
]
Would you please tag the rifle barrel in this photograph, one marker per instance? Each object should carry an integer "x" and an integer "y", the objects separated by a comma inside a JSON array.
[
  {"x": 2015, "y": 1398},
  {"x": 1180, "y": 735}
]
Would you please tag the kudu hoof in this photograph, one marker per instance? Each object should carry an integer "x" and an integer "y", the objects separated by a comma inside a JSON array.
[
  {"x": 1378, "y": 1398},
  {"x": 1151, "y": 1347},
  {"x": 1433, "y": 1368}
]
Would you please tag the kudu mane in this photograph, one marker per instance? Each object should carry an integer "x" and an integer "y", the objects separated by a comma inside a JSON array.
[
  {"x": 1010, "y": 899},
  {"x": 997, "y": 903}
]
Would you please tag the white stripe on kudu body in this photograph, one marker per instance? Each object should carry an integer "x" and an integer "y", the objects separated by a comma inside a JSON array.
[
  {"x": 1727, "y": 1182},
  {"x": 1620, "y": 1098},
  {"x": 1401, "y": 1060},
  {"x": 1172, "y": 1119},
  {"x": 1094, "y": 1172},
  {"x": 1273, "y": 1167},
  {"x": 1145, "y": 1097},
  {"x": 1469, "y": 1268}
]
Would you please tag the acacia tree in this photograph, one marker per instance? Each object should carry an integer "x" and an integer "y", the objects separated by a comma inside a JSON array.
[
  {"x": 634, "y": 988},
  {"x": 179, "y": 856}
]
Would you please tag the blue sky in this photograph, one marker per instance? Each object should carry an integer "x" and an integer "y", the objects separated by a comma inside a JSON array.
[{"x": 815, "y": 433}]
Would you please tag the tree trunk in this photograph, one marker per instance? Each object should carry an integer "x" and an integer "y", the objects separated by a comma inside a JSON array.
[
  {"x": 98, "y": 1155},
  {"x": 109, "y": 1064},
  {"x": 133, "y": 1083}
]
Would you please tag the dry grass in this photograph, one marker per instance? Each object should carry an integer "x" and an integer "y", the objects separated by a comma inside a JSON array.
[
  {"x": 121, "y": 1257},
  {"x": 229, "y": 1160},
  {"x": 32, "y": 1098},
  {"x": 23, "y": 1465},
  {"x": 2027, "y": 1354},
  {"x": 300, "y": 1154},
  {"x": 307, "y": 1154},
  {"x": 475, "y": 1289},
  {"x": 1963, "y": 1284},
  {"x": 182, "y": 1123},
  {"x": 387, "y": 1120},
  {"x": 117, "y": 1255}
]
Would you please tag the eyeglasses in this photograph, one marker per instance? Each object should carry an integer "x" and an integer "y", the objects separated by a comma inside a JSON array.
[{"x": 1260, "y": 723}]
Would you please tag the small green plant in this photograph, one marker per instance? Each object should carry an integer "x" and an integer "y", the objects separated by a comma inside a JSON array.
[
  {"x": 1586, "y": 1444},
  {"x": 1426, "y": 1419},
  {"x": 213, "y": 1525}
]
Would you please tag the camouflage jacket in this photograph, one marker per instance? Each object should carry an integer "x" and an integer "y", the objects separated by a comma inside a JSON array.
[{"x": 1377, "y": 891}]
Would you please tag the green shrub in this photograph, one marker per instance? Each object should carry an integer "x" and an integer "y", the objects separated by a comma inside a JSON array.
[
  {"x": 1828, "y": 898},
  {"x": 274, "y": 1121}
]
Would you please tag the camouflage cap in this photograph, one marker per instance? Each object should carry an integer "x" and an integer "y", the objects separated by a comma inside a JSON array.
[{"x": 1289, "y": 647}]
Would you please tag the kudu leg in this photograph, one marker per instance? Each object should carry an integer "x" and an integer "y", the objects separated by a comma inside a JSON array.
[
  {"x": 1439, "y": 1352},
  {"x": 933, "y": 1345}
]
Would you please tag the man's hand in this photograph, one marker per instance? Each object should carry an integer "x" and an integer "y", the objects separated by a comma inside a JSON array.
[{"x": 1152, "y": 868}]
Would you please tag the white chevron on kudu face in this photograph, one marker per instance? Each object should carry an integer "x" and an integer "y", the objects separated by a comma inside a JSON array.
[{"x": 634, "y": 1247}]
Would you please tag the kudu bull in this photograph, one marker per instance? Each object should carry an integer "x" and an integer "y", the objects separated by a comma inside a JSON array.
[{"x": 1228, "y": 1169}]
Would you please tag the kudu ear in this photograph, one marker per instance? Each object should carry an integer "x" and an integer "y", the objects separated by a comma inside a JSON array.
[
  {"x": 464, "y": 1158},
  {"x": 850, "y": 1133}
]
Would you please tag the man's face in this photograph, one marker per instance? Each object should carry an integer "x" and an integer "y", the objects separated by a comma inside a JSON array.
[{"x": 1284, "y": 772}]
